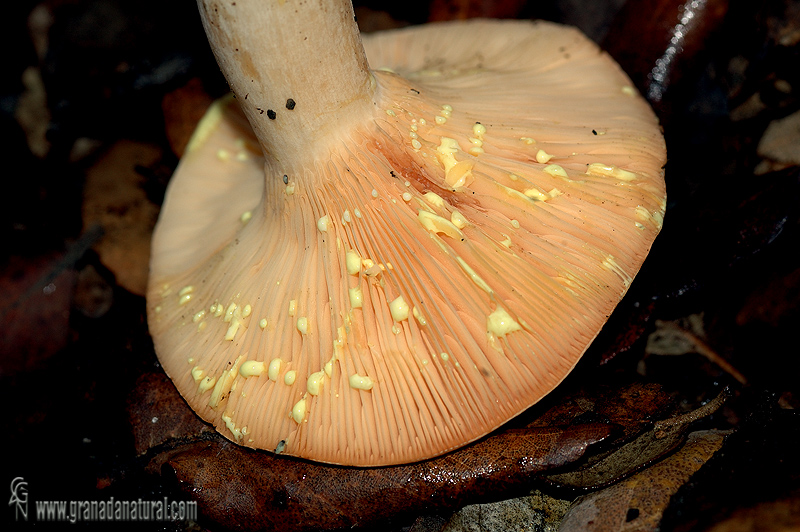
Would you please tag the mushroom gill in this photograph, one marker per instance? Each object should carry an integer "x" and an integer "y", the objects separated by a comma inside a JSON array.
[{"x": 381, "y": 275}]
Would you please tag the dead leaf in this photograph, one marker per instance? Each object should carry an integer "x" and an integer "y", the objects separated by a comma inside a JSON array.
[
  {"x": 637, "y": 503},
  {"x": 652, "y": 445},
  {"x": 37, "y": 295},
  {"x": 781, "y": 141},
  {"x": 158, "y": 414},
  {"x": 239, "y": 485},
  {"x": 242, "y": 489},
  {"x": 536, "y": 512},
  {"x": 676, "y": 337},
  {"x": 755, "y": 478},
  {"x": 630, "y": 407},
  {"x": 685, "y": 336},
  {"x": 782, "y": 515},
  {"x": 114, "y": 199},
  {"x": 183, "y": 108},
  {"x": 640, "y": 40},
  {"x": 428, "y": 523}
]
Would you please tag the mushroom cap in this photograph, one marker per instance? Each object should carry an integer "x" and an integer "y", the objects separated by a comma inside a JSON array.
[{"x": 435, "y": 272}]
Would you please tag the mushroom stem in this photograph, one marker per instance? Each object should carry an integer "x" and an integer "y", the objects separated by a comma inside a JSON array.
[{"x": 298, "y": 70}]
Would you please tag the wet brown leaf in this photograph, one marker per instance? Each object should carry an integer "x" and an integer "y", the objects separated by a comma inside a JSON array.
[
  {"x": 257, "y": 489},
  {"x": 630, "y": 407},
  {"x": 661, "y": 439},
  {"x": 660, "y": 43},
  {"x": 637, "y": 503},
  {"x": 158, "y": 414},
  {"x": 242, "y": 489}
]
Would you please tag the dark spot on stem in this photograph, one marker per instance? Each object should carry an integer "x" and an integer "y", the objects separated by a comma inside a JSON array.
[
  {"x": 271, "y": 114},
  {"x": 285, "y": 179},
  {"x": 290, "y": 104},
  {"x": 594, "y": 132}
]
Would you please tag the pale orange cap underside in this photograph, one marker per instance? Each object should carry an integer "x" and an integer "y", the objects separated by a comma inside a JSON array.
[{"x": 441, "y": 271}]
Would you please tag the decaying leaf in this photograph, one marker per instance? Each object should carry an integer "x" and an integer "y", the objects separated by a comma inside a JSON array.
[
  {"x": 661, "y": 439},
  {"x": 774, "y": 516},
  {"x": 257, "y": 490},
  {"x": 535, "y": 512},
  {"x": 630, "y": 407},
  {"x": 781, "y": 141},
  {"x": 637, "y": 503},
  {"x": 114, "y": 199},
  {"x": 676, "y": 337},
  {"x": 685, "y": 336},
  {"x": 242, "y": 489},
  {"x": 183, "y": 108},
  {"x": 753, "y": 479},
  {"x": 158, "y": 414},
  {"x": 247, "y": 490},
  {"x": 37, "y": 296}
]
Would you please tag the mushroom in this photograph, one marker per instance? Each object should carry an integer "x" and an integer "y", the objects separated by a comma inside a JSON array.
[{"x": 376, "y": 266}]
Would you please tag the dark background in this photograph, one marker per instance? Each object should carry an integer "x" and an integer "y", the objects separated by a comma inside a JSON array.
[{"x": 97, "y": 99}]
